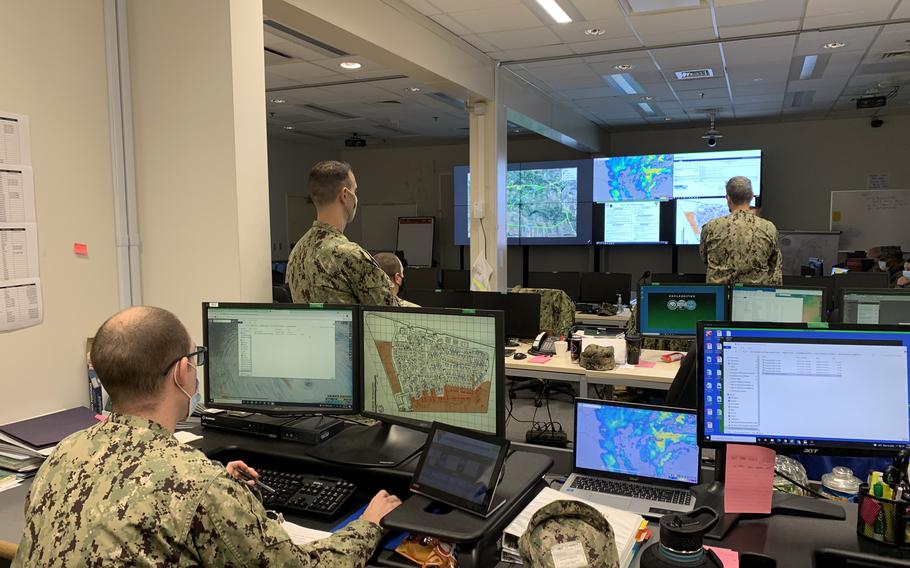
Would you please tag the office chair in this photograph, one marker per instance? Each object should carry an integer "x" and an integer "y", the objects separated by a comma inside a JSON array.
[
  {"x": 542, "y": 389},
  {"x": 683, "y": 392},
  {"x": 281, "y": 295}
]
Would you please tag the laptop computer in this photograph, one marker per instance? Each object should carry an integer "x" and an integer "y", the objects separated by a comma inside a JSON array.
[{"x": 635, "y": 457}]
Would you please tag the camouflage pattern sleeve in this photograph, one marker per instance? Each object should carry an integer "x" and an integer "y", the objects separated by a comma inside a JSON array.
[
  {"x": 776, "y": 260},
  {"x": 230, "y": 528},
  {"x": 702, "y": 243},
  {"x": 371, "y": 285}
]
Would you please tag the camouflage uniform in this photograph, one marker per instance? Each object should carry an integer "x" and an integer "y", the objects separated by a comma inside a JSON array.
[
  {"x": 125, "y": 492},
  {"x": 597, "y": 358},
  {"x": 563, "y": 525},
  {"x": 741, "y": 248},
  {"x": 325, "y": 267},
  {"x": 557, "y": 310},
  {"x": 666, "y": 344}
]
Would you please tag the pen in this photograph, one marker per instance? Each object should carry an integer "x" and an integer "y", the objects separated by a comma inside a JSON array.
[{"x": 260, "y": 484}]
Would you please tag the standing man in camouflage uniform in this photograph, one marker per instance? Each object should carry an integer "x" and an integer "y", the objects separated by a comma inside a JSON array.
[
  {"x": 741, "y": 248},
  {"x": 391, "y": 265},
  {"x": 125, "y": 492},
  {"x": 325, "y": 267}
]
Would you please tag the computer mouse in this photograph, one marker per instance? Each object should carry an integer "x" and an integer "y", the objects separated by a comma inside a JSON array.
[{"x": 519, "y": 355}]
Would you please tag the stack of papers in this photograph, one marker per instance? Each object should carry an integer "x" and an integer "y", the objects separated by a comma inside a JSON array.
[{"x": 627, "y": 527}]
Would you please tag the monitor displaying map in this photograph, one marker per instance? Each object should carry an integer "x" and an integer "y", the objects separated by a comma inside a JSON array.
[
  {"x": 692, "y": 214},
  {"x": 673, "y": 176},
  {"x": 424, "y": 365},
  {"x": 280, "y": 357},
  {"x": 640, "y": 441}
]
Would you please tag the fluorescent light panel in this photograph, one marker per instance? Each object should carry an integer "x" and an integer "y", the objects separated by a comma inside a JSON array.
[
  {"x": 625, "y": 83},
  {"x": 556, "y": 12},
  {"x": 808, "y": 66},
  {"x": 646, "y": 107}
]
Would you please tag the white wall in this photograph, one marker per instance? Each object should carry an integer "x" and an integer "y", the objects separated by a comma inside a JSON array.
[{"x": 54, "y": 71}]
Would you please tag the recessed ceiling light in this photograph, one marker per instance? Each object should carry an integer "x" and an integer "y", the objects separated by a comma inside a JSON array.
[
  {"x": 555, "y": 10},
  {"x": 289, "y": 128},
  {"x": 623, "y": 67},
  {"x": 595, "y": 31},
  {"x": 834, "y": 45},
  {"x": 667, "y": 118},
  {"x": 647, "y": 98},
  {"x": 413, "y": 89},
  {"x": 758, "y": 80},
  {"x": 277, "y": 101},
  {"x": 350, "y": 65}
]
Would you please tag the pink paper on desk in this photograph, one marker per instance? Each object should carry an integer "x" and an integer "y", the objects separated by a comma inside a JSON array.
[
  {"x": 539, "y": 359},
  {"x": 646, "y": 364},
  {"x": 729, "y": 558},
  {"x": 749, "y": 478}
]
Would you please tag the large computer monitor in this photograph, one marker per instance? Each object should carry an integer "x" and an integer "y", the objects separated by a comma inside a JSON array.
[
  {"x": 605, "y": 286},
  {"x": 281, "y": 358},
  {"x": 674, "y": 310},
  {"x": 804, "y": 387},
  {"x": 568, "y": 282},
  {"x": 521, "y": 312},
  {"x": 440, "y": 298},
  {"x": 875, "y": 306},
  {"x": 425, "y": 365},
  {"x": 867, "y": 280},
  {"x": 632, "y": 222},
  {"x": 456, "y": 279},
  {"x": 678, "y": 277},
  {"x": 782, "y": 305}
]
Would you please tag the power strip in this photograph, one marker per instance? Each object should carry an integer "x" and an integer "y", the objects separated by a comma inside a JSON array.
[{"x": 555, "y": 439}]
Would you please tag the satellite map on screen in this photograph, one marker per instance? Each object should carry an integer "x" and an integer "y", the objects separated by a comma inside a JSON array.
[{"x": 633, "y": 178}]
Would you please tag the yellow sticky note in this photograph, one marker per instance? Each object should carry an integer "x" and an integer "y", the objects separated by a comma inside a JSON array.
[{"x": 835, "y": 216}]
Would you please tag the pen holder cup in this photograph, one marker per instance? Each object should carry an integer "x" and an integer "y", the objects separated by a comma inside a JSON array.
[{"x": 883, "y": 520}]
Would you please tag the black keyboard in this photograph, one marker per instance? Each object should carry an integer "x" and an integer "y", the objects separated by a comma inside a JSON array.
[
  {"x": 636, "y": 490},
  {"x": 302, "y": 493}
]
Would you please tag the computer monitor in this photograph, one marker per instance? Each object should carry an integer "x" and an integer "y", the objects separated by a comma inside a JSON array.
[
  {"x": 569, "y": 282},
  {"x": 781, "y": 305},
  {"x": 875, "y": 306},
  {"x": 826, "y": 282},
  {"x": 281, "y": 358},
  {"x": 674, "y": 310},
  {"x": 631, "y": 222},
  {"x": 866, "y": 280},
  {"x": 804, "y": 387},
  {"x": 605, "y": 287},
  {"x": 422, "y": 365},
  {"x": 678, "y": 278},
  {"x": 521, "y": 312},
  {"x": 456, "y": 280},
  {"x": 421, "y": 278},
  {"x": 440, "y": 298}
]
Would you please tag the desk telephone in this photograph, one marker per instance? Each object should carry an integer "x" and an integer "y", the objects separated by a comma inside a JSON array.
[{"x": 544, "y": 344}]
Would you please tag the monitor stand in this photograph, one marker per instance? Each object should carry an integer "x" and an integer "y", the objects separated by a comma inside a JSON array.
[{"x": 379, "y": 445}]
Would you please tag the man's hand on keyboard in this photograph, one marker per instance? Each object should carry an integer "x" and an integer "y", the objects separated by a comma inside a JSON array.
[
  {"x": 239, "y": 470},
  {"x": 381, "y": 505}
]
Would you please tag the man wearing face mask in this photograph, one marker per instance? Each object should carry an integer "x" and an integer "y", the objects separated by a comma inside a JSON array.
[
  {"x": 391, "y": 265},
  {"x": 325, "y": 267},
  {"x": 125, "y": 492},
  {"x": 904, "y": 280},
  {"x": 741, "y": 248}
]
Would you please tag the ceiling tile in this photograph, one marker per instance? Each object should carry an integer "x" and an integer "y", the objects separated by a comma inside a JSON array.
[
  {"x": 451, "y": 6},
  {"x": 767, "y": 50},
  {"x": 670, "y": 27},
  {"x": 521, "y": 39},
  {"x": 497, "y": 18},
  {"x": 893, "y": 38},
  {"x": 820, "y": 13},
  {"x": 705, "y": 94},
  {"x": 448, "y": 23},
  {"x": 599, "y": 10},
  {"x": 568, "y": 83},
  {"x": 273, "y": 81},
  {"x": 604, "y": 45},
  {"x": 574, "y": 32},
  {"x": 302, "y": 72},
  {"x": 594, "y": 93},
  {"x": 739, "y": 13},
  {"x": 695, "y": 57},
  {"x": 530, "y": 53},
  {"x": 480, "y": 43},
  {"x": 698, "y": 84},
  {"x": 565, "y": 71},
  {"x": 856, "y": 40}
]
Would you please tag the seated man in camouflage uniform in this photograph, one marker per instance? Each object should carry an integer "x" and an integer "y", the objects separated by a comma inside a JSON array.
[
  {"x": 125, "y": 492},
  {"x": 741, "y": 248},
  {"x": 391, "y": 265},
  {"x": 325, "y": 267},
  {"x": 557, "y": 310}
]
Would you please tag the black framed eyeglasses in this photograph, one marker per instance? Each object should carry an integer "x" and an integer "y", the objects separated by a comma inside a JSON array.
[{"x": 199, "y": 354}]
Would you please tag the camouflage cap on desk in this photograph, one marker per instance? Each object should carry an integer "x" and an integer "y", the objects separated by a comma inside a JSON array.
[
  {"x": 567, "y": 529},
  {"x": 598, "y": 358}
]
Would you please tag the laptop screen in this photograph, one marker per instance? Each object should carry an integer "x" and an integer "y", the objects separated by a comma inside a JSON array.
[{"x": 639, "y": 441}]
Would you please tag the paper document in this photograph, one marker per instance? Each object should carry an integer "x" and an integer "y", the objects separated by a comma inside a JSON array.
[
  {"x": 749, "y": 479},
  {"x": 18, "y": 251},
  {"x": 17, "y": 194},
  {"x": 625, "y": 525},
  {"x": 302, "y": 535},
  {"x": 20, "y": 304},
  {"x": 15, "y": 139},
  {"x": 10, "y": 440},
  {"x": 185, "y": 437}
]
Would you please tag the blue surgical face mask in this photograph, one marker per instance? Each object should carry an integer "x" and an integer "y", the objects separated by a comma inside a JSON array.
[
  {"x": 906, "y": 273},
  {"x": 194, "y": 399}
]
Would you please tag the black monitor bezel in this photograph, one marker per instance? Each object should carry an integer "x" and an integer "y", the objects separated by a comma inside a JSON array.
[
  {"x": 724, "y": 303},
  {"x": 822, "y": 449},
  {"x": 499, "y": 364},
  {"x": 289, "y": 409},
  {"x": 842, "y": 293},
  {"x": 443, "y": 496},
  {"x": 575, "y": 287},
  {"x": 615, "y": 276},
  {"x": 624, "y": 476},
  {"x": 731, "y": 289}
]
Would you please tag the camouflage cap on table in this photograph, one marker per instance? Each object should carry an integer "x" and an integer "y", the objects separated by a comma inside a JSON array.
[{"x": 561, "y": 532}]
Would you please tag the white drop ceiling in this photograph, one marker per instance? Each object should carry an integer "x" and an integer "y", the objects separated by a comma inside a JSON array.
[{"x": 755, "y": 79}]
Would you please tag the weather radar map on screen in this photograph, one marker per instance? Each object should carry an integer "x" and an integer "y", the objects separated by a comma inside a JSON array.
[
  {"x": 430, "y": 367},
  {"x": 634, "y": 178},
  {"x": 638, "y": 442}
]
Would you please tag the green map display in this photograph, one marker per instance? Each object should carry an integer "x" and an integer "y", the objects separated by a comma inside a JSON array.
[
  {"x": 678, "y": 312},
  {"x": 540, "y": 203}
]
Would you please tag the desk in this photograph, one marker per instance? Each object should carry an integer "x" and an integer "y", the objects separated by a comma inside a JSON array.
[
  {"x": 619, "y": 320},
  {"x": 563, "y": 369}
]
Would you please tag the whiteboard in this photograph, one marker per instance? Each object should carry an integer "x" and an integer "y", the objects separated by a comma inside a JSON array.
[
  {"x": 797, "y": 247},
  {"x": 415, "y": 239},
  {"x": 871, "y": 218}
]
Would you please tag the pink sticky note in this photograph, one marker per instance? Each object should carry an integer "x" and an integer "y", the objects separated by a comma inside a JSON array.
[
  {"x": 100, "y": 417},
  {"x": 729, "y": 558},
  {"x": 539, "y": 359},
  {"x": 749, "y": 477},
  {"x": 646, "y": 364},
  {"x": 80, "y": 249},
  {"x": 869, "y": 511}
]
